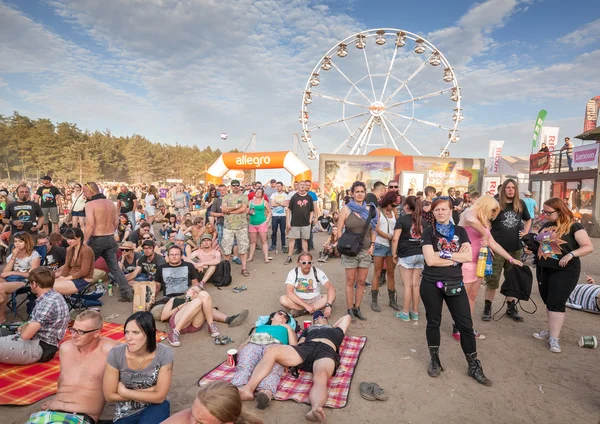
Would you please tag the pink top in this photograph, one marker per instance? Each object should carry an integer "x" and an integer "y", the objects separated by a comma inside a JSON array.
[{"x": 476, "y": 241}]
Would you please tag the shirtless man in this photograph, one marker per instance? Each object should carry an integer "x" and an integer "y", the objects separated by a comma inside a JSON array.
[
  {"x": 101, "y": 223},
  {"x": 197, "y": 230},
  {"x": 83, "y": 359},
  {"x": 205, "y": 259}
]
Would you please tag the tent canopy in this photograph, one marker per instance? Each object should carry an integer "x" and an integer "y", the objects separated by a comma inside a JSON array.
[{"x": 590, "y": 135}]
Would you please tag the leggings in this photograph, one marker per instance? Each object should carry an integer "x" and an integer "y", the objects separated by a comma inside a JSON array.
[
  {"x": 556, "y": 286},
  {"x": 459, "y": 308},
  {"x": 248, "y": 357}
]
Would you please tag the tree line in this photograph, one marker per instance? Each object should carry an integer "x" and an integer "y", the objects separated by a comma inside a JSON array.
[{"x": 32, "y": 148}]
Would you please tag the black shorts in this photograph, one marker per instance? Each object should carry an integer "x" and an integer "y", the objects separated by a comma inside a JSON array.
[{"x": 313, "y": 351}]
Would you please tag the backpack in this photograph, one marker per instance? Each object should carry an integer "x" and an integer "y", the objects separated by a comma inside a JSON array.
[
  {"x": 314, "y": 270},
  {"x": 222, "y": 275}
]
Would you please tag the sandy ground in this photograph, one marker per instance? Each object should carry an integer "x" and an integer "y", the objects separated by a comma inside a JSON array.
[{"x": 531, "y": 384}]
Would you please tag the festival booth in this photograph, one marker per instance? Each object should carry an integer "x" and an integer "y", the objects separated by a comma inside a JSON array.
[{"x": 515, "y": 167}]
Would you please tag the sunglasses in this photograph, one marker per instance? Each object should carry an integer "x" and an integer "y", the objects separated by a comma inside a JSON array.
[
  {"x": 235, "y": 185},
  {"x": 392, "y": 186},
  {"x": 127, "y": 250},
  {"x": 306, "y": 262},
  {"x": 282, "y": 313}
]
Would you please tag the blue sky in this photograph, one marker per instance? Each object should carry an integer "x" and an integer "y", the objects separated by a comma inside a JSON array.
[{"x": 187, "y": 71}]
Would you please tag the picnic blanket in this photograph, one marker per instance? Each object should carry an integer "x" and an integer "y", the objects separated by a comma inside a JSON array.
[
  {"x": 27, "y": 384},
  {"x": 297, "y": 389}
]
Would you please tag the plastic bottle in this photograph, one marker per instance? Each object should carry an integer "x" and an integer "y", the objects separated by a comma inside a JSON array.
[
  {"x": 489, "y": 265},
  {"x": 110, "y": 289},
  {"x": 99, "y": 286},
  {"x": 482, "y": 261}
]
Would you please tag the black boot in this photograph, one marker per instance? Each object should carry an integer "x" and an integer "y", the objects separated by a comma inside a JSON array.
[
  {"x": 393, "y": 300},
  {"x": 382, "y": 278},
  {"x": 358, "y": 314},
  {"x": 511, "y": 311},
  {"x": 475, "y": 369},
  {"x": 374, "y": 305},
  {"x": 435, "y": 366},
  {"x": 351, "y": 313},
  {"x": 487, "y": 311}
]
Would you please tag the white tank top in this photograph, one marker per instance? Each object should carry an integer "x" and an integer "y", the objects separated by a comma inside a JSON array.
[{"x": 385, "y": 225}]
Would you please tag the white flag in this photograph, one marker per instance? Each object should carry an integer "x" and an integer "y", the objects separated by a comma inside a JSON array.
[{"x": 493, "y": 161}]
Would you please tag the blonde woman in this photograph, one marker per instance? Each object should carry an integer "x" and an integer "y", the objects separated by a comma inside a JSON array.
[{"x": 477, "y": 222}]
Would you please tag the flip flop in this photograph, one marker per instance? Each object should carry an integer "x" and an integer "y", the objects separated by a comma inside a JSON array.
[
  {"x": 239, "y": 289},
  {"x": 262, "y": 400},
  {"x": 245, "y": 273},
  {"x": 378, "y": 392},
  {"x": 366, "y": 391}
]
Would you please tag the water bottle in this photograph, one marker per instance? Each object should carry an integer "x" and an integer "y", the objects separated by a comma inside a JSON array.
[
  {"x": 482, "y": 261},
  {"x": 489, "y": 265},
  {"x": 110, "y": 289}
]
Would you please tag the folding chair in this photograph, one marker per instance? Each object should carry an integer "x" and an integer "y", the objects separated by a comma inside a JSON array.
[
  {"x": 77, "y": 300},
  {"x": 14, "y": 304}
]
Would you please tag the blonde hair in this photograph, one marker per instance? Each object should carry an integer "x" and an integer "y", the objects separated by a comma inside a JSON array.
[
  {"x": 222, "y": 399},
  {"x": 486, "y": 208},
  {"x": 92, "y": 315}
]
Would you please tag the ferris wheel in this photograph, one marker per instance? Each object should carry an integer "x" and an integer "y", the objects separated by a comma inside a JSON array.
[{"x": 373, "y": 90}]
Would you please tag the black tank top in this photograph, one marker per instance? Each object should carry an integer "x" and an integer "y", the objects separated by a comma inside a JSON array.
[{"x": 334, "y": 334}]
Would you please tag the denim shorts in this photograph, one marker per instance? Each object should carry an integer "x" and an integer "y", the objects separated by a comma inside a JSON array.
[
  {"x": 382, "y": 250},
  {"x": 412, "y": 262}
]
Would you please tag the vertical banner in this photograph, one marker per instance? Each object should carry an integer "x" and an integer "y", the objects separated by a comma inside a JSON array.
[
  {"x": 591, "y": 114},
  {"x": 490, "y": 185},
  {"x": 549, "y": 135},
  {"x": 539, "y": 123},
  {"x": 495, "y": 149}
]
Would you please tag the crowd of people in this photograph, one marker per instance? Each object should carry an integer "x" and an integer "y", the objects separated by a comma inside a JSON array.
[{"x": 184, "y": 239}]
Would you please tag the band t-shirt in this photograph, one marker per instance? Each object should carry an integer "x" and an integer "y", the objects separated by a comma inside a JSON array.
[
  {"x": 48, "y": 196},
  {"x": 129, "y": 267},
  {"x": 300, "y": 207},
  {"x": 175, "y": 280},
  {"x": 553, "y": 248},
  {"x": 439, "y": 243},
  {"x": 409, "y": 243},
  {"x": 126, "y": 201},
  {"x": 55, "y": 258},
  {"x": 507, "y": 225},
  {"x": 150, "y": 267},
  {"x": 26, "y": 212}
]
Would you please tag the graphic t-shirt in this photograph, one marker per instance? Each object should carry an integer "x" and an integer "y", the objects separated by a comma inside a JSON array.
[
  {"x": 129, "y": 267},
  {"x": 300, "y": 208},
  {"x": 162, "y": 192},
  {"x": 506, "y": 227},
  {"x": 26, "y": 212},
  {"x": 55, "y": 258},
  {"x": 175, "y": 280},
  {"x": 48, "y": 196},
  {"x": 439, "y": 243},
  {"x": 24, "y": 264},
  {"x": 137, "y": 379},
  {"x": 325, "y": 222},
  {"x": 279, "y": 197},
  {"x": 553, "y": 248},
  {"x": 306, "y": 286},
  {"x": 235, "y": 221},
  {"x": 151, "y": 266},
  {"x": 409, "y": 243},
  {"x": 126, "y": 201}
]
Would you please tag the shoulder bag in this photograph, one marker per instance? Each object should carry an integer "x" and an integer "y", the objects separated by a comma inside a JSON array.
[{"x": 350, "y": 244}]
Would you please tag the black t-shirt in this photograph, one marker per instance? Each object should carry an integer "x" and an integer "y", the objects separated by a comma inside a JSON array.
[
  {"x": 371, "y": 198},
  {"x": 300, "y": 208},
  {"x": 27, "y": 212},
  {"x": 334, "y": 334},
  {"x": 325, "y": 222},
  {"x": 439, "y": 243},
  {"x": 456, "y": 214},
  {"x": 409, "y": 243},
  {"x": 175, "y": 280},
  {"x": 553, "y": 248},
  {"x": 48, "y": 196},
  {"x": 55, "y": 258},
  {"x": 150, "y": 267},
  {"x": 506, "y": 227},
  {"x": 129, "y": 267},
  {"x": 126, "y": 201}
]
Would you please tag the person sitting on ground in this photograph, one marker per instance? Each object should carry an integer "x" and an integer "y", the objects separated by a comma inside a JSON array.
[
  {"x": 55, "y": 254},
  {"x": 189, "y": 314},
  {"x": 136, "y": 236},
  {"x": 211, "y": 230},
  {"x": 205, "y": 259},
  {"x": 185, "y": 248},
  {"x": 37, "y": 340},
  {"x": 317, "y": 352},
  {"x": 277, "y": 330},
  {"x": 140, "y": 249},
  {"x": 147, "y": 264},
  {"x": 323, "y": 223},
  {"x": 79, "y": 387},
  {"x": 124, "y": 229},
  {"x": 19, "y": 263},
  {"x": 196, "y": 232},
  {"x": 170, "y": 227},
  {"x": 217, "y": 402},
  {"x": 585, "y": 297},
  {"x": 330, "y": 249},
  {"x": 78, "y": 271},
  {"x": 138, "y": 374},
  {"x": 129, "y": 258},
  {"x": 303, "y": 289}
]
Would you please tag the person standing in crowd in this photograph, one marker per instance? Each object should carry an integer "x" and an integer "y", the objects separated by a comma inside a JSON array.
[
  {"x": 217, "y": 213},
  {"x": 49, "y": 198},
  {"x": 23, "y": 214},
  {"x": 532, "y": 206},
  {"x": 477, "y": 222},
  {"x": 151, "y": 202},
  {"x": 279, "y": 203},
  {"x": 260, "y": 214},
  {"x": 180, "y": 202},
  {"x": 568, "y": 149},
  {"x": 313, "y": 222},
  {"x": 235, "y": 206},
  {"x": 427, "y": 213},
  {"x": 78, "y": 208},
  {"x": 102, "y": 221},
  {"x": 456, "y": 204},
  {"x": 353, "y": 218},
  {"x": 300, "y": 215},
  {"x": 544, "y": 149},
  {"x": 209, "y": 199},
  {"x": 445, "y": 248},
  {"x": 376, "y": 193},
  {"x": 506, "y": 231},
  {"x": 382, "y": 252},
  {"x": 138, "y": 374},
  {"x": 271, "y": 189},
  {"x": 562, "y": 242},
  {"x": 127, "y": 203},
  {"x": 406, "y": 245}
]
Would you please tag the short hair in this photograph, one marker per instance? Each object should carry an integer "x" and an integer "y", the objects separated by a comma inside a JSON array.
[
  {"x": 221, "y": 185},
  {"x": 198, "y": 220},
  {"x": 378, "y": 184},
  {"x": 94, "y": 187},
  {"x": 174, "y": 246},
  {"x": 475, "y": 194},
  {"x": 279, "y": 182},
  {"x": 303, "y": 254},
  {"x": 42, "y": 235},
  {"x": 358, "y": 184},
  {"x": 42, "y": 276},
  {"x": 144, "y": 225},
  {"x": 145, "y": 321},
  {"x": 92, "y": 316},
  {"x": 451, "y": 188},
  {"x": 55, "y": 238}
]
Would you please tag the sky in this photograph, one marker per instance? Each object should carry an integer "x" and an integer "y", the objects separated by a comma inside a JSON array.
[{"x": 186, "y": 71}]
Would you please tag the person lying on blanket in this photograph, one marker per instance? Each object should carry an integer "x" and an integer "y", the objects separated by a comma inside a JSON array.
[
  {"x": 317, "y": 352},
  {"x": 37, "y": 340},
  {"x": 82, "y": 364},
  {"x": 279, "y": 329}
]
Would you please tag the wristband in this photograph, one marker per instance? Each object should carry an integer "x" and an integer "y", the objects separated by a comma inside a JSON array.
[
  {"x": 571, "y": 253},
  {"x": 372, "y": 243},
  {"x": 328, "y": 305},
  {"x": 445, "y": 255},
  {"x": 511, "y": 260}
]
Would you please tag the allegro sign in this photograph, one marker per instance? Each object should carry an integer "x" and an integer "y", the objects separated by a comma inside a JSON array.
[{"x": 257, "y": 161}]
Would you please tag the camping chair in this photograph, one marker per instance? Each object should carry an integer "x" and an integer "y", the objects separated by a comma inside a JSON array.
[
  {"x": 14, "y": 304},
  {"x": 77, "y": 301}
]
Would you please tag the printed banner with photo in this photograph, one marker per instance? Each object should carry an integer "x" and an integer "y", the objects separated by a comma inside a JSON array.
[
  {"x": 442, "y": 173},
  {"x": 343, "y": 170}
]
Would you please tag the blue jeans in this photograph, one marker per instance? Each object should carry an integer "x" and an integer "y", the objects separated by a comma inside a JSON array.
[
  {"x": 278, "y": 222},
  {"x": 151, "y": 414},
  {"x": 106, "y": 247},
  {"x": 131, "y": 218}
]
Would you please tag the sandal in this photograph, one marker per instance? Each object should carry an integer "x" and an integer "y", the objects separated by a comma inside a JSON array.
[
  {"x": 366, "y": 391},
  {"x": 245, "y": 273},
  {"x": 262, "y": 400},
  {"x": 378, "y": 392},
  {"x": 239, "y": 289},
  {"x": 223, "y": 340}
]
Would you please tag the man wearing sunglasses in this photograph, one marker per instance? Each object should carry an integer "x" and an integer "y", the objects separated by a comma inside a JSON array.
[
  {"x": 234, "y": 206},
  {"x": 303, "y": 289}
]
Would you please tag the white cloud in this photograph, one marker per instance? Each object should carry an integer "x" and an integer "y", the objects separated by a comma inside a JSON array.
[{"x": 588, "y": 34}]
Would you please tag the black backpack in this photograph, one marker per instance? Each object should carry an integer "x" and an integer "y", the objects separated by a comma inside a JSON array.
[
  {"x": 222, "y": 275},
  {"x": 314, "y": 270}
]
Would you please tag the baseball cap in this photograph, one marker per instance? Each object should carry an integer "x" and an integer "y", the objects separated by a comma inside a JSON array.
[
  {"x": 205, "y": 237},
  {"x": 317, "y": 315},
  {"x": 527, "y": 193},
  {"x": 180, "y": 237},
  {"x": 148, "y": 243},
  {"x": 46, "y": 177},
  {"x": 273, "y": 180},
  {"x": 235, "y": 182},
  {"x": 127, "y": 245}
]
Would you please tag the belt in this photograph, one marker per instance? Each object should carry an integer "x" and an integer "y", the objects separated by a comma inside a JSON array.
[
  {"x": 86, "y": 417},
  {"x": 108, "y": 235}
]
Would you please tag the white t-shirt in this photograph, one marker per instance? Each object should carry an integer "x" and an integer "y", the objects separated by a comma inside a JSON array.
[
  {"x": 305, "y": 286},
  {"x": 278, "y": 197}
]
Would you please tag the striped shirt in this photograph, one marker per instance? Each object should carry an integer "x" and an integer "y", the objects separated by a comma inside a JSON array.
[{"x": 585, "y": 297}]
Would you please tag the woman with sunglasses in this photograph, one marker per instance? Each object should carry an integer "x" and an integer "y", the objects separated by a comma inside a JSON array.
[
  {"x": 78, "y": 207},
  {"x": 562, "y": 242},
  {"x": 477, "y": 222},
  {"x": 78, "y": 270},
  {"x": 18, "y": 264},
  {"x": 138, "y": 374},
  {"x": 445, "y": 248},
  {"x": 277, "y": 330}
]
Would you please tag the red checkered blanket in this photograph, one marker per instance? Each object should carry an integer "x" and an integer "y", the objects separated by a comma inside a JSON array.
[
  {"x": 298, "y": 388},
  {"x": 27, "y": 384}
]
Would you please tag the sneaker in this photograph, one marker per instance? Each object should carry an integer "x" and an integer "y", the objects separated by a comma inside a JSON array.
[
  {"x": 402, "y": 315},
  {"x": 236, "y": 260},
  {"x": 414, "y": 315},
  {"x": 288, "y": 260},
  {"x": 284, "y": 249},
  {"x": 554, "y": 345},
  {"x": 213, "y": 330},
  {"x": 544, "y": 334},
  {"x": 478, "y": 335},
  {"x": 173, "y": 338},
  {"x": 272, "y": 248},
  {"x": 368, "y": 283}
]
